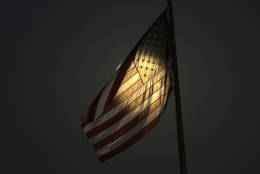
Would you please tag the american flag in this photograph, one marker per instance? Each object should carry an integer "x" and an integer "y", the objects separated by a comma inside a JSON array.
[{"x": 132, "y": 101}]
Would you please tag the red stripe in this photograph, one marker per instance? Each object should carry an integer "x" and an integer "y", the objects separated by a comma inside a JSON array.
[
  {"x": 116, "y": 118},
  {"x": 131, "y": 124},
  {"x": 130, "y": 73},
  {"x": 120, "y": 76},
  {"x": 92, "y": 110},
  {"x": 131, "y": 141},
  {"x": 137, "y": 85},
  {"x": 107, "y": 124}
]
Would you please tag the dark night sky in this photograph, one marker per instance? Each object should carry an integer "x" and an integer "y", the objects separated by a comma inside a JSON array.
[{"x": 60, "y": 53}]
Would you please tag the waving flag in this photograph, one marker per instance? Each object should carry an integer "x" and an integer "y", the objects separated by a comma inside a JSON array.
[{"x": 132, "y": 101}]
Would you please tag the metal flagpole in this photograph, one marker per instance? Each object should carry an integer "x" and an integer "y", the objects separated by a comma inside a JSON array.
[{"x": 181, "y": 145}]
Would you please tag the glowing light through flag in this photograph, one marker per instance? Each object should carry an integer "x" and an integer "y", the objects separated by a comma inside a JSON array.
[{"x": 131, "y": 103}]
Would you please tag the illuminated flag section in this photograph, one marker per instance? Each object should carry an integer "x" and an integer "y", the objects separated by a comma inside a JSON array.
[{"x": 132, "y": 101}]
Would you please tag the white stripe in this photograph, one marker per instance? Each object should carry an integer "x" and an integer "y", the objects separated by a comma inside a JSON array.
[
  {"x": 103, "y": 98},
  {"x": 127, "y": 117},
  {"x": 119, "y": 141},
  {"x": 122, "y": 105},
  {"x": 127, "y": 84}
]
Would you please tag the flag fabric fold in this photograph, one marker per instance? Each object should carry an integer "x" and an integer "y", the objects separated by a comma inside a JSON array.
[{"x": 132, "y": 101}]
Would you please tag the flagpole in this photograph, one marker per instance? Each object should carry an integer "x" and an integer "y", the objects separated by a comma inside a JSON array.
[{"x": 181, "y": 144}]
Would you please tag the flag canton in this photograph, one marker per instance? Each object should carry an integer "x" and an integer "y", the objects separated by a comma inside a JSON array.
[{"x": 151, "y": 55}]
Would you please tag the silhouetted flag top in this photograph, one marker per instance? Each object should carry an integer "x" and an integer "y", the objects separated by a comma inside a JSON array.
[{"x": 132, "y": 101}]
